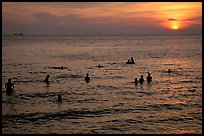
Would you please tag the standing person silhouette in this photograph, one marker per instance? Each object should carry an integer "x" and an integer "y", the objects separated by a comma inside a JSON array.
[
  {"x": 141, "y": 80},
  {"x": 59, "y": 98},
  {"x": 136, "y": 81},
  {"x": 132, "y": 60},
  {"x": 9, "y": 87},
  {"x": 149, "y": 78},
  {"x": 87, "y": 78},
  {"x": 46, "y": 80}
]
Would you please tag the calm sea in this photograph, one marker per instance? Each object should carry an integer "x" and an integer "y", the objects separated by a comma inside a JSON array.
[{"x": 110, "y": 103}]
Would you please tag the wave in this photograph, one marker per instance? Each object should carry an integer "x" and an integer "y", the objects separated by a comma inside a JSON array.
[
  {"x": 81, "y": 113},
  {"x": 157, "y": 107},
  {"x": 71, "y": 114}
]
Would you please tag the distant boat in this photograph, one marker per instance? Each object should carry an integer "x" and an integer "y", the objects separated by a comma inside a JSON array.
[{"x": 130, "y": 62}]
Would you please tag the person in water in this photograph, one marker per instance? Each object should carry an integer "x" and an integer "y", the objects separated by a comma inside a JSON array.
[
  {"x": 9, "y": 87},
  {"x": 136, "y": 81},
  {"x": 59, "y": 98},
  {"x": 169, "y": 71},
  {"x": 132, "y": 60},
  {"x": 99, "y": 66},
  {"x": 47, "y": 80},
  {"x": 149, "y": 78},
  {"x": 129, "y": 61},
  {"x": 141, "y": 80},
  {"x": 87, "y": 78}
]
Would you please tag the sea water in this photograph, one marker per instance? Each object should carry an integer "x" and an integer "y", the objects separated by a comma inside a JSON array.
[{"x": 110, "y": 103}]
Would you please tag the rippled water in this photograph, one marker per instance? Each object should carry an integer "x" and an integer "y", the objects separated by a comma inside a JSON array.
[{"x": 110, "y": 102}]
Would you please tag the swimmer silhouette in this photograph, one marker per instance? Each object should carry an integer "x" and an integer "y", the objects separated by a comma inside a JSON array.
[
  {"x": 62, "y": 67},
  {"x": 149, "y": 78},
  {"x": 46, "y": 80},
  {"x": 9, "y": 87},
  {"x": 87, "y": 78},
  {"x": 169, "y": 71},
  {"x": 141, "y": 80},
  {"x": 99, "y": 66}
]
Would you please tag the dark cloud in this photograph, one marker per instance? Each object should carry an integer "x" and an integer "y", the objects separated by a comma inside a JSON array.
[
  {"x": 188, "y": 19},
  {"x": 193, "y": 19},
  {"x": 172, "y": 19}
]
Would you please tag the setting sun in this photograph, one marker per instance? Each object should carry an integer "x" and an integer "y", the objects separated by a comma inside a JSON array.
[{"x": 174, "y": 27}]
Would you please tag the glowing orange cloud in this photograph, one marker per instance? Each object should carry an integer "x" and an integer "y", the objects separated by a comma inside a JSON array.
[{"x": 180, "y": 15}]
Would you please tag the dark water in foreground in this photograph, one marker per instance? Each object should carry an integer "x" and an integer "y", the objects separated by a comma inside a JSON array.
[{"x": 110, "y": 103}]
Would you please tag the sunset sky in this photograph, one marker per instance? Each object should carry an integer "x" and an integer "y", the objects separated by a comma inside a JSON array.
[{"x": 101, "y": 18}]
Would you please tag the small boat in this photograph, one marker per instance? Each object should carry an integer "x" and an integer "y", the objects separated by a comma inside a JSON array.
[{"x": 130, "y": 62}]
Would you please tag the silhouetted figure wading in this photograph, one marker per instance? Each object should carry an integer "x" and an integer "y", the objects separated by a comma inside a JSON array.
[
  {"x": 132, "y": 60},
  {"x": 47, "y": 80},
  {"x": 87, "y": 78},
  {"x": 149, "y": 78},
  {"x": 59, "y": 98},
  {"x": 9, "y": 87},
  {"x": 136, "y": 81},
  {"x": 141, "y": 80}
]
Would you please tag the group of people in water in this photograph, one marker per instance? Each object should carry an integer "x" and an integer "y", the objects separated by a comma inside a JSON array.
[
  {"x": 141, "y": 80},
  {"x": 87, "y": 79},
  {"x": 9, "y": 85},
  {"x": 130, "y": 61}
]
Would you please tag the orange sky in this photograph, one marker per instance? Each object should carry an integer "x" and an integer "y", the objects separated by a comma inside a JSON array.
[{"x": 98, "y": 16}]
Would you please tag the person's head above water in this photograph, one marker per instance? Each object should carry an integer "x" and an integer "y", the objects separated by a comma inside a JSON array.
[{"x": 9, "y": 80}]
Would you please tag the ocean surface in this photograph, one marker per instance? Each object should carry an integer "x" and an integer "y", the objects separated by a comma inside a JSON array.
[{"x": 110, "y": 103}]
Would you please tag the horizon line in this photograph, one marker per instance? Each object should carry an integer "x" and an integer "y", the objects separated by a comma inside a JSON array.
[{"x": 98, "y": 34}]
